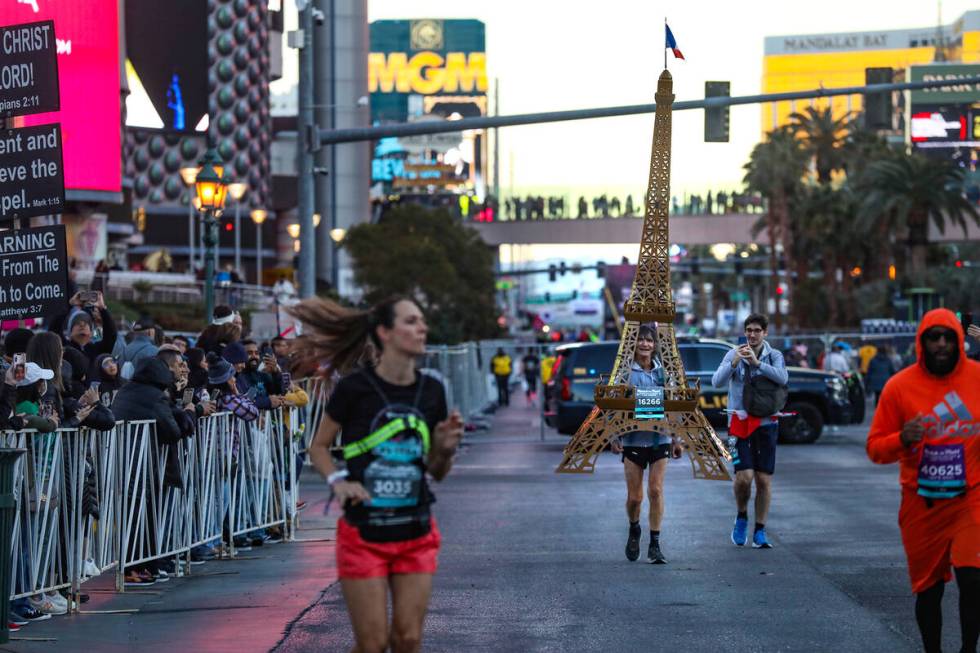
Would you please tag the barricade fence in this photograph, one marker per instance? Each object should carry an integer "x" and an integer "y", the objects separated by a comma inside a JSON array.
[{"x": 89, "y": 501}]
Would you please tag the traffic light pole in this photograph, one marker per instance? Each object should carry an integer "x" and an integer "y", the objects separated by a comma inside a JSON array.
[
  {"x": 490, "y": 122},
  {"x": 306, "y": 128}
]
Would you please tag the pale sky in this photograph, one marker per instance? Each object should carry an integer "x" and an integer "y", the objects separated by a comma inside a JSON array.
[{"x": 555, "y": 55}]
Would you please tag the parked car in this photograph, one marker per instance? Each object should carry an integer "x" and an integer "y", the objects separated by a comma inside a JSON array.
[{"x": 817, "y": 397}]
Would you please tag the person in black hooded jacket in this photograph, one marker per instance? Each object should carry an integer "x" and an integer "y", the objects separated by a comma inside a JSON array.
[{"x": 145, "y": 397}]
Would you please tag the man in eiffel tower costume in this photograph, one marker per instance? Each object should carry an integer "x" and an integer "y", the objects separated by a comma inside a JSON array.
[{"x": 621, "y": 408}]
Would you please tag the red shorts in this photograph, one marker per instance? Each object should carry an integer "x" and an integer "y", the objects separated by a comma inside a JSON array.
[
  {"x": 938, "y": 538},
  {"x": 357, "y": 558}
]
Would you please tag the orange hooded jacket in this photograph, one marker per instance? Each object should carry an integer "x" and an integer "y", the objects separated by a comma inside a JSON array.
[{"x": 949, "y": 405}]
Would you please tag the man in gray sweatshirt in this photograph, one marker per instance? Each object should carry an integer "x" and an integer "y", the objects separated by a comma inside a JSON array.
[{"x": 754, "y": 450}]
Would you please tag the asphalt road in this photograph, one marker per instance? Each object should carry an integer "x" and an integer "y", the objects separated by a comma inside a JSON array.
[{"x": 533, "y": 561}]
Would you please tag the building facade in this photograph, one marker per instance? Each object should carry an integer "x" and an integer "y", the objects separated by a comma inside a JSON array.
[{"x": 806, "y": 61}]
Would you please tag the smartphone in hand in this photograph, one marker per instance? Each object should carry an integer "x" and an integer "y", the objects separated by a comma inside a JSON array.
[
  {"x": 966, "y": 319},
  {"x": 89, "y": 297},
  {"x": 742, "y": 340}
]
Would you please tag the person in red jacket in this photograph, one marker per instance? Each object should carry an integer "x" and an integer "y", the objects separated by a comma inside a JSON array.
[{"x": 928, "y": 421}]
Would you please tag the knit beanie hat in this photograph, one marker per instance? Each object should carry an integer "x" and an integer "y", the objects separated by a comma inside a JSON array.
[
  {"x": 234, "y": 353},
  {"x": 219, "y": 370},
  {"x": 74, "y": 316}
]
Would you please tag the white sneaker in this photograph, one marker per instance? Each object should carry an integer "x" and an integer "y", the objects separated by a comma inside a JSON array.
[
  {"x": 43, "y": 604},
  {"x": 58, "y": 600},
  {"x": 90, "y": 569}
]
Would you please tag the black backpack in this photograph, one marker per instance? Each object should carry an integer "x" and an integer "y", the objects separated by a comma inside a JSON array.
[{"x": 762, "y": 397}]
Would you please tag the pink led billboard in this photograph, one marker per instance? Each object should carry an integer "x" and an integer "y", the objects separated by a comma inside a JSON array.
[{"x": 88, "y": 70}]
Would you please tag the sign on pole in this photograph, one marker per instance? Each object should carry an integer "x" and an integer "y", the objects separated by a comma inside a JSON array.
[
  {"x": 33, "y": 272},
  {"x": 32, "y": 175},
  {"x": 28, "y": 69}
]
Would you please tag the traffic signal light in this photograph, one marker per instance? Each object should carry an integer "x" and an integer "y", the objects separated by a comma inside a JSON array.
[
  {"x": 739, "y": 266},
  {"x": 878, "y": 106},
  {"x": 695, "y": 265},
  {"x": 600, "y": 270},
  {"x": 229, "y": 226},
  {"x": 716, "y": 118},
  {"x": 552, "y": 272},
  {"x": 562, "y": 268}
]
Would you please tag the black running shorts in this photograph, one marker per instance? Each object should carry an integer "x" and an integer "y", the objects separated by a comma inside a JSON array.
[
  {"x": 644, "y": 456},
  {"x": 758, "y": 451}
]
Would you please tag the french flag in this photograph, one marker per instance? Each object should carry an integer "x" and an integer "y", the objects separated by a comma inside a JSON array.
[{"x": 672, "y": 43}]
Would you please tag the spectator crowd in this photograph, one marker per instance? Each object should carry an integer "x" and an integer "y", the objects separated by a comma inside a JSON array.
[{"x": 84, "y": 372}]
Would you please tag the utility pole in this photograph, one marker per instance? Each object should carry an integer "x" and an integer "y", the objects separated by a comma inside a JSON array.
[
  {"x": 496, "y": 145},
  {"x": 306, "y": 139}
]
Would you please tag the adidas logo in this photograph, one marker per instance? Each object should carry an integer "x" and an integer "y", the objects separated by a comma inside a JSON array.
[{"x": 951, "y": 418}]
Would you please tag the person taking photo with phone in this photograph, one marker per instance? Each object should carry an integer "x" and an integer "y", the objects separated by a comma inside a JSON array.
[
  {"x": 78, "y": 326},
  {"x": 928, "y": 421},
  {"x": 395, "y": 431},
  {"x": 754, "y": 446}
]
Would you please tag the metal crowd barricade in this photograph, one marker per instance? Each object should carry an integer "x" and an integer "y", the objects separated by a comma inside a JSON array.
[
  {"x": 259, "y": 452},
  {"x": 318, "y": 389},
  {"x": 467, "y": 382},
  {"x": 38, "y": 559},
  {"x": 96, "y": 460},
  {"x": 87, "y": 501},
  {"x": 152, "y": 516},
  {"x": 206, "y": 467}
]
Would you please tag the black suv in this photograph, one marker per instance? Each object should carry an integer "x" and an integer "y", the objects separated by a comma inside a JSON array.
[{"x": 816, "y": 397}]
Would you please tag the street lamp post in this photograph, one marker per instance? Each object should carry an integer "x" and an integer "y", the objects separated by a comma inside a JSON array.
[
  {"x": 258, "y": 217},
  {"x": 211, "y": 188},
  {"x": 237, "y": 191},
  {"x": 188, "y": 175}
]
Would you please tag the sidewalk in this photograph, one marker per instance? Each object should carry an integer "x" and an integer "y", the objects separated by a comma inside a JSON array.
[{"x": 239, "y": 605}]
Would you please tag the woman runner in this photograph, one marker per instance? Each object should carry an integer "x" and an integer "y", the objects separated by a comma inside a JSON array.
[{"x": 395, "y": 429}]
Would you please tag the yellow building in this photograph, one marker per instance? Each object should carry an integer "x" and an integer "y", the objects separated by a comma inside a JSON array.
[{"x": 807, "y": 61}]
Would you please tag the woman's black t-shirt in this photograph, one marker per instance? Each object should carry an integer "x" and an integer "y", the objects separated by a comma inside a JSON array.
[{"x": 355, "y": 403}]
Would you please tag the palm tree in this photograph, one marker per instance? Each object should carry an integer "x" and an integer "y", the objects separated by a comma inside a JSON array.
[
  {"x": 774, "y": 170},
  {"x": 823, "y": 137},
  {"x": 824, "y": 226},
  {"x": 908, "y": 192}
]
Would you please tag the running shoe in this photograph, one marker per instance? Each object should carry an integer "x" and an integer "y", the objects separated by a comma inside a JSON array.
[
  {"x": 760, "y": 541},
  {"x": 654, "y": 555},
  {"x": 18, "y": 620},
  {"x": 12, "y": 627},
  {"x": 89, "y": 568},
  {"x": 740, "y": 531},
  {"x": 44, "y": 604},
  {"x": 136, "y": 579},
  {"x": 273, "y": 535},
  {"x": 29, "y": 613},
  {"x": 633, "y": 544}
]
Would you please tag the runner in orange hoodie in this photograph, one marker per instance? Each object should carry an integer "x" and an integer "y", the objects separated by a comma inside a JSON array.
[{"x": 928, "y": 420}]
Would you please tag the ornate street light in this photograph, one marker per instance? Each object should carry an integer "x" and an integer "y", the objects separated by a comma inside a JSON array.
[
  {"x": 258, "y": 217},
  {"x": 337, "y": 234},
  {"x": 211, "y": 189},
  {"x": 293, "y": 229}
]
